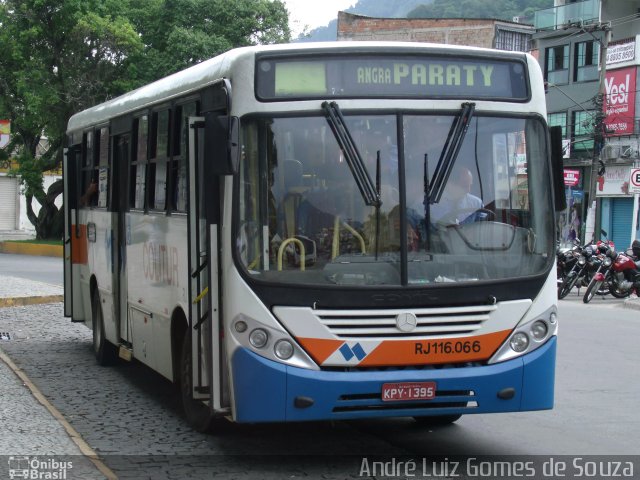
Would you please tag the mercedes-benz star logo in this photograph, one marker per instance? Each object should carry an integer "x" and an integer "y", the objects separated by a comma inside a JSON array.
[{"x": 406, "y": 322}]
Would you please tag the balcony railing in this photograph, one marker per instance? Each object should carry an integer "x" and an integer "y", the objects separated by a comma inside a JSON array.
[{"x": 556, "y": 17}]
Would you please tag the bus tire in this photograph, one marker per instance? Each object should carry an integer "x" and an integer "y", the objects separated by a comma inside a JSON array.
[
  {"x": 437, "y": 420},
  {"x": 196, "y": 412},
  {"x": 105, "y": 352}
]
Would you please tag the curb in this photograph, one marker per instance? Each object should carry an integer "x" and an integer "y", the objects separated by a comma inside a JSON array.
[
  {"x": 31, "y": 249},
  {"x": 632, "y": 304},
  {"x": 24, "y": 301},
  {"x": 75, "y": 437}
]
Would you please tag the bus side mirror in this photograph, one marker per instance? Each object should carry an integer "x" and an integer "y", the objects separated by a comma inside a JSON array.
[
  {"x": 557, "y": 168},
  {"x": 222, "y": 143}
]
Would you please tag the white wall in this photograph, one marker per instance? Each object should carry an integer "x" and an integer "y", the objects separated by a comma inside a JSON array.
[{"x": 25, "y": 224}]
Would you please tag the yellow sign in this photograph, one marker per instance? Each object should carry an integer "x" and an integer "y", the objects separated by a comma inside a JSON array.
[{"x": 5, "y": 127}]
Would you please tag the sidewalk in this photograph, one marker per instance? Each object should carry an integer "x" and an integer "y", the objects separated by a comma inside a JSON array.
[{"x": 34, "y": 433}]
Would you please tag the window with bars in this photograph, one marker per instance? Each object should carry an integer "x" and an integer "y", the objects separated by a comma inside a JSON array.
[{"x": 513, "y": 41}]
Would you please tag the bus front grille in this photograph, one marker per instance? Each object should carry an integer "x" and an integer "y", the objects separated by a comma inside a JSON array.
[
  {"x": 439, "y": 322},
  {"x": 371, "y": 401}
]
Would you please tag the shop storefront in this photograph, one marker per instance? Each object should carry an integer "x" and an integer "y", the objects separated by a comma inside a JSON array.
[
  {"x": 570, "y": 221},
  {"x": 616, "y": 205}
]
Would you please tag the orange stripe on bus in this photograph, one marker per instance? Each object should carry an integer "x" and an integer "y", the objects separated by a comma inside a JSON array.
[
  {"x": 436, "y": 351},
  {"x": 320, "y": 348},
  {"x": 79, "y": 245}
]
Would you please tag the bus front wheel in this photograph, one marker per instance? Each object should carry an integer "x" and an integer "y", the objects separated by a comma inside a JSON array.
[
  {"x": 106, "y": 353},
  {"x": 196, "y": 412}
]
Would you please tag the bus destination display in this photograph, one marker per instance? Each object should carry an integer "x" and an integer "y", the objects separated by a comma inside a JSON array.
[{"x": 397, "y": 77}]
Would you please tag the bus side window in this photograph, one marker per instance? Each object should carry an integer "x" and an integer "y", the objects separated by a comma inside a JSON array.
[
  {"x": 178, "y": 164},
  {"x": 158, "y": 164},
  {"x": 138, "y": 172},
  {"x": 101, "y": 170},
  {"x": 87, "y": 198}
]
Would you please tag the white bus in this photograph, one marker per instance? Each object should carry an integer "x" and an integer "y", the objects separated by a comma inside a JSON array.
[{"x": 323, "y": 232}]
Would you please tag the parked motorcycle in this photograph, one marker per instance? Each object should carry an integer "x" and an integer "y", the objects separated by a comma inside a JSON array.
[
  {"x": 566, "y": 257},
  {"x": 601, "y": 277},
  {"x": 625, "y": 272},
  {"x": 621, "y": 277},
  {"x": 578, "y": 273}
]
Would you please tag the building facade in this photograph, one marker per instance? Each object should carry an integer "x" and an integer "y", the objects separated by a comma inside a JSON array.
[
  {"x": 488, "y": 33},
  {"x": 592, "y": 97}
]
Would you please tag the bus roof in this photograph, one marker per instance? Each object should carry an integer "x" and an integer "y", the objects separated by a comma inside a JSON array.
[{"x": 207, "y": 72}]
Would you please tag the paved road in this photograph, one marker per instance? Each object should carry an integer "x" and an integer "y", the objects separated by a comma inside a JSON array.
[
  {"x": 41, "y": 269},
  {"x": 130, "y": 415}
]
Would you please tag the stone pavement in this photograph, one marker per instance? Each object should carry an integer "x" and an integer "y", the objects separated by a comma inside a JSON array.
[
  {"x": 35, "y": 438},
  {"x": 16, "y": 291}
]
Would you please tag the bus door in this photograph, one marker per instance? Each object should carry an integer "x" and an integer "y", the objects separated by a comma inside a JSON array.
[
  {"x": 203, "y": 219},
  {"x": 73, "y": 246},
  {"x": 119, "y": 204}
]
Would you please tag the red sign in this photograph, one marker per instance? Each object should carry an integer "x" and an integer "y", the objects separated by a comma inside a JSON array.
[
  {"x": 571, "y": 177},
  {"x": 620, "y": 100}
]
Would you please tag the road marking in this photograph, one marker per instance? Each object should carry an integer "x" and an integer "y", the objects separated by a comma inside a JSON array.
[
  {"x": 23, "y": 301},
  {"x": 75, "y": 437}
]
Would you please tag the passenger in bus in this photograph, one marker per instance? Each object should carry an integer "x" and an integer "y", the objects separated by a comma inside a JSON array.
[{"x": 90, "y": 196}]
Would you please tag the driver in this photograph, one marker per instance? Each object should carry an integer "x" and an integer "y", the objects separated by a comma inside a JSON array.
[{"x": 457, "y": 205}]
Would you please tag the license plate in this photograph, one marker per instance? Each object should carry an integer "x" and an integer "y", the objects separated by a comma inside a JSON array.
[{"x": 397, "y": 392}]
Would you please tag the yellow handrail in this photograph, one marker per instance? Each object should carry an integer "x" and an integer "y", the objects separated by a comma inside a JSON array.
[
  {"x": 302, "y": 253},
  {"x": 335, "y": 246}
]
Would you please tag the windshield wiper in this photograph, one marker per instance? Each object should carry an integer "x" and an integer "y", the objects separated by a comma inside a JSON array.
[
  {"x": 370, "y": 194},
  {"x": 457, "y": 132}
]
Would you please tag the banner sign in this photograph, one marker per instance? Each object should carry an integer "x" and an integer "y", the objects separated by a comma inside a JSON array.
[
  {"x": 571, "y": 177},
  {"x": 623, "y": 52},
  {"x": 620, "y": 102},
  {"x": 614, "y": 182},
  {"x": 5, "y": 127}
]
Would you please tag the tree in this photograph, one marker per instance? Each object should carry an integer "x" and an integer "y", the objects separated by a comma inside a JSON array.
[
  {"x": 181, "y": 33},
  {"x": 59, "y": 56},
  {"x": 62, "y": 56}
]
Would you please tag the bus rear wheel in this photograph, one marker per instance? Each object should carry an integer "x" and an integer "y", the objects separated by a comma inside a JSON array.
[
  {"x": 105, "y": 352},
  {"x": 196, "y": 412},
  {"x": 437, "y": 420}
]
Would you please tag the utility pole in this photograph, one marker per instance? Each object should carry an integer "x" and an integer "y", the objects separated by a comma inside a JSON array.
[{"x": 598, "y": 129}]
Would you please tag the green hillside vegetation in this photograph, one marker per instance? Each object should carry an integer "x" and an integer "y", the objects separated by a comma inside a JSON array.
[{"x": 499, "y": 9}]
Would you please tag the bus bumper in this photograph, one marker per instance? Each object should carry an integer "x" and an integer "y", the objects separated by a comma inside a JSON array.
[{"x": 266, "y": 391}]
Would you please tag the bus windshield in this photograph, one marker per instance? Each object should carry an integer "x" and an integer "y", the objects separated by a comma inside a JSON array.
[{"x": 302, "y": 218}]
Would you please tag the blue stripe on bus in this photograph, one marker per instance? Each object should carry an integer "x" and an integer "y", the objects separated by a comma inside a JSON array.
[{"x": 265, "y": 391}]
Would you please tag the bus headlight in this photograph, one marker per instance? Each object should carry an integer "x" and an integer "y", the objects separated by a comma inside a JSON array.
[
  {"x": 283, "y": 349},
  {"x": 258, "y": 337},
  {"x": 519, "y": 342},
  {"x": 531, "y": 334},
  {"x": 268, "y": 341},
  {"x": 539, "y": 330}
]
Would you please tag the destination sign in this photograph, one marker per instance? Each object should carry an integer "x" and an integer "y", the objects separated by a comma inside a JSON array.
[{"x": 391, "y": 77}]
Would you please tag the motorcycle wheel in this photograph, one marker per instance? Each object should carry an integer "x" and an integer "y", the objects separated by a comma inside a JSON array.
[
  {"x": 613, "y": 290},
  {"x": 592, "y": 289},
  {"x": 566, "y": 286}
]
